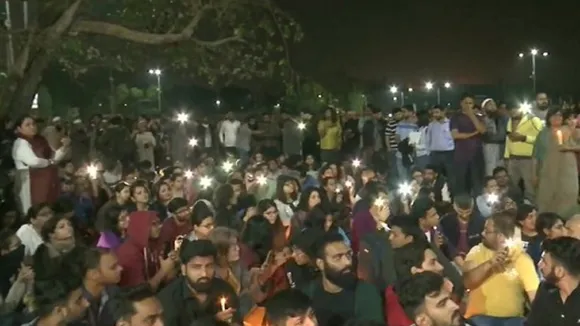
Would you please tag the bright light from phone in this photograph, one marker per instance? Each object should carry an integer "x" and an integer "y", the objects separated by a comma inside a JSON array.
[
  {"x": 405, "y": 189},
  {"x": 92, "y": 171},
  {"x": 182, "y": 117},
  {"x": 301, "y": 126},
  {"x": 205, "y": 182},
  {"x": 188, "y": 174},
  {"x": 262, "y": 180},
  {"x": 525, "y": 108},
  {"x": 228, "y": 166},
  {"x": 492, "y": 199},
  {"x": 192, "y": 142},
  {"x": 356, "y": 163}
]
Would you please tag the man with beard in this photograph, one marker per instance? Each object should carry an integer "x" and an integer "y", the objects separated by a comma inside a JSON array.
[
  {"x": 198, "y": 294},
  {"x": 339, "y": 296},
  {"x": 542, "y": 105},
  {"x": 499, "y": 266},
  {"x": 558, "y": 299},
  {"x": 427, "y": 301}
]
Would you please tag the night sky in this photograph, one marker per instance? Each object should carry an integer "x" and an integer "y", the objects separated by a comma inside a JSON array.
[{"x": 473, "y": 42}]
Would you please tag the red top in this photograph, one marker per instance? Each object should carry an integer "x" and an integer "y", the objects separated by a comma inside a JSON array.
[{"x": 395, "y": 315}]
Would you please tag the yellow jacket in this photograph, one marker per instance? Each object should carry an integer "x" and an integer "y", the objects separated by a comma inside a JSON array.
[{"x": 530, "y": 126}]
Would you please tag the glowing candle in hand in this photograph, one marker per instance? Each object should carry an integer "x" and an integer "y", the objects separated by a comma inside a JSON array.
[
  {"x": 223, "y": 303},
  {"x": 559, "y": 135}
]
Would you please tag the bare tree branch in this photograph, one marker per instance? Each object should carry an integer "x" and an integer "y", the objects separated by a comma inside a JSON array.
[
  {"x": 219, "y": 41},
  {"x": 122, "y": 32}
]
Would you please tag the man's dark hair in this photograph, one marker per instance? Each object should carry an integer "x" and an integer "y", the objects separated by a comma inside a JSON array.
[
  {"x": 466, "y": 95},
  {"x": 407, "y": 225},
  {"x": 286, "y": 304},
  {"x": 63, "y": 205},
  {"x": 123, "y": 303},
  {"x": 325, "y": 241},
  {"x": 487, "y": 179},
  {"x": 413, "y": 291},
  {"x": 196, "y": 248},
  {"x": 54, "y": 291},
  {"x": 420, "y": 207},
  {"x": 5, "y": 237},
  {"x": 566, "y": 252},
  {"x": 409, "y": 256},
  {"x": 463, "y": 201},
  {"x": 91, "y": 258},
  {"x": 372, "y": 190},
  {"x": 546, "y": 220},
  {"x": 497, "y": 170},
  {"x": 176, "y": 204},
  {"x": 362, "y": 322},
  {"x": 504, "y": 223}
]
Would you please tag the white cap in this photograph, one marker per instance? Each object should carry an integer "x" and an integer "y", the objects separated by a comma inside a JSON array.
[
  {"x": 77, "y": 121},
  {"x": 56, "y": 119}
]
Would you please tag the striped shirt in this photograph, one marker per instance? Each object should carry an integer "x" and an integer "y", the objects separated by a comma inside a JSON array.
[{"x": 390, "y": 133}]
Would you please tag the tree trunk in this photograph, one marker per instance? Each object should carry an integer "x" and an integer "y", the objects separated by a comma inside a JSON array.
[{"x": 17, "y": 95}]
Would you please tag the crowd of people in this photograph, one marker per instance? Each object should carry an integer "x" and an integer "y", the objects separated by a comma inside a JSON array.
[{"x": 413, "y": 217}]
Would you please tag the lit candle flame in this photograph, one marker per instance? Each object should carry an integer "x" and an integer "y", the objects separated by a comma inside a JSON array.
[
  {"x": 182, "y": 117},
  {"x": 223, "y": 301},
  {"x": 560, "y": 138},
  {"x": 356, "y": 163},
  {"x": 192, "y": 142}
]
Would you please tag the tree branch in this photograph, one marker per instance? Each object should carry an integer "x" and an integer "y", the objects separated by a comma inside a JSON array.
[
  {"x": 122, "y": 32},
  {"x": 219, "y": 41}
]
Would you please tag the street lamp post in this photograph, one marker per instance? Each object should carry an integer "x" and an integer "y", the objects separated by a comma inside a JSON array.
[
  {"x": 394, "y": 90},
  {"x": 534, "y": 52},
  {"x": 157, "y": 73},
  {"x": 430, "y": 85}
]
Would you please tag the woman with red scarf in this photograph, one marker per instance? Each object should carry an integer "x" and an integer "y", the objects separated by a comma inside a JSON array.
[{"x": 36, "y": 173}]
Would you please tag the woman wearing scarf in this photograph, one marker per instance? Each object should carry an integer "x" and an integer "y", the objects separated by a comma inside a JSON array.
[{"x": 37, "y": 175}]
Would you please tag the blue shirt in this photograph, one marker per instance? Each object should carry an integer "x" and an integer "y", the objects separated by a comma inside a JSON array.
[
  {"x": 439, "y": 138},
  {"x": 404, "y": 129}
]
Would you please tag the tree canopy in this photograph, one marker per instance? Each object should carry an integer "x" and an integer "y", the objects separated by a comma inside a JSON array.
[{"x": 219, "y": 41}]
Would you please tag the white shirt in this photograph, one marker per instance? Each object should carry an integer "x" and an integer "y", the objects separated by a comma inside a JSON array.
[
  {"x": 24, "y": 157},
  {"x": 29, "y": 238},
  {"x": 228, "y": 132}
]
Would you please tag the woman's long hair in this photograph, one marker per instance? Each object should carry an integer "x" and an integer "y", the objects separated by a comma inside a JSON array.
[
  {"x": 305, "y": 198},
  {"x": 258, "y": 236}
]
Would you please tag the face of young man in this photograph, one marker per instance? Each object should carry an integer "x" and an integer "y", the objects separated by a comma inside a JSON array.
[
  {"x": 439, "y": 309},
  {"x": 148, "y": 313},
  {"x": 307, "y": 319}
]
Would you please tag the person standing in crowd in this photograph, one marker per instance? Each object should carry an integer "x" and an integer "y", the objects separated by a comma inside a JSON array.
[
  {"x": 440, "y": 142},
  {"x": 405, "y": 154},
  {"x": 466, "y": 129},
  {"x": 291, "y": 137},
  {"x": 499, "y": 265},
  {"x": 35, "y": 161},
  {"x": 351, "y": 135},
  {"x": 228, "y": 133},
  {"x": 560, "y": 266},
  {"x": 522, "y": 131},
  {"x": 244, "y": 142},
  {"x": 541, "y": 106},
  {"x": 145, "y": 142},
  {"x": 197, "y": 294},
  {"x": 372, "y": 140},
  {"x": 494, "y": 137},
  {"x": 555, "y": 165},
  {"x": 426, "y": 298},
  {"x": 339, "y": 296},
  {"x": 330, "y": 132}
]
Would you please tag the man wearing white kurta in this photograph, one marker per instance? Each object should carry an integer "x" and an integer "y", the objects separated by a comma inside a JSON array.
[
  {"x": 24, "y": 160},
  {"x": 228, "y": 133}
]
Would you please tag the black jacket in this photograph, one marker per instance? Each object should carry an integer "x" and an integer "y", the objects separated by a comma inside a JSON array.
[{"x": 180, "y": 308}]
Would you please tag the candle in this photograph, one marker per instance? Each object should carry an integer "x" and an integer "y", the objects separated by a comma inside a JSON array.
[
  {"x": 223, "y": 303},
  {"x": 559, "y": 135}
]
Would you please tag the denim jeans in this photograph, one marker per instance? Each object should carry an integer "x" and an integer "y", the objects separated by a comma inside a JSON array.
[{"x": 497, "y": 321}]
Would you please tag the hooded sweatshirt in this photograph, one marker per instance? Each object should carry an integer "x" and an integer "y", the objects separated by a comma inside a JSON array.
[{"x": 138, "y": 255}]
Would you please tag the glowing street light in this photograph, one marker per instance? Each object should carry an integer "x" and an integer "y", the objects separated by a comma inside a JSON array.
[
  {"x": 410, "y": 90},
  {"x": 534, "y": 52},
  {"x": 429, "y": 86},
  {"x": 394, "y": 89},
  {"x": 157, "y": 73},
  {"x": 218, "y": 102},
  {"x": 447, "y": 85}
]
